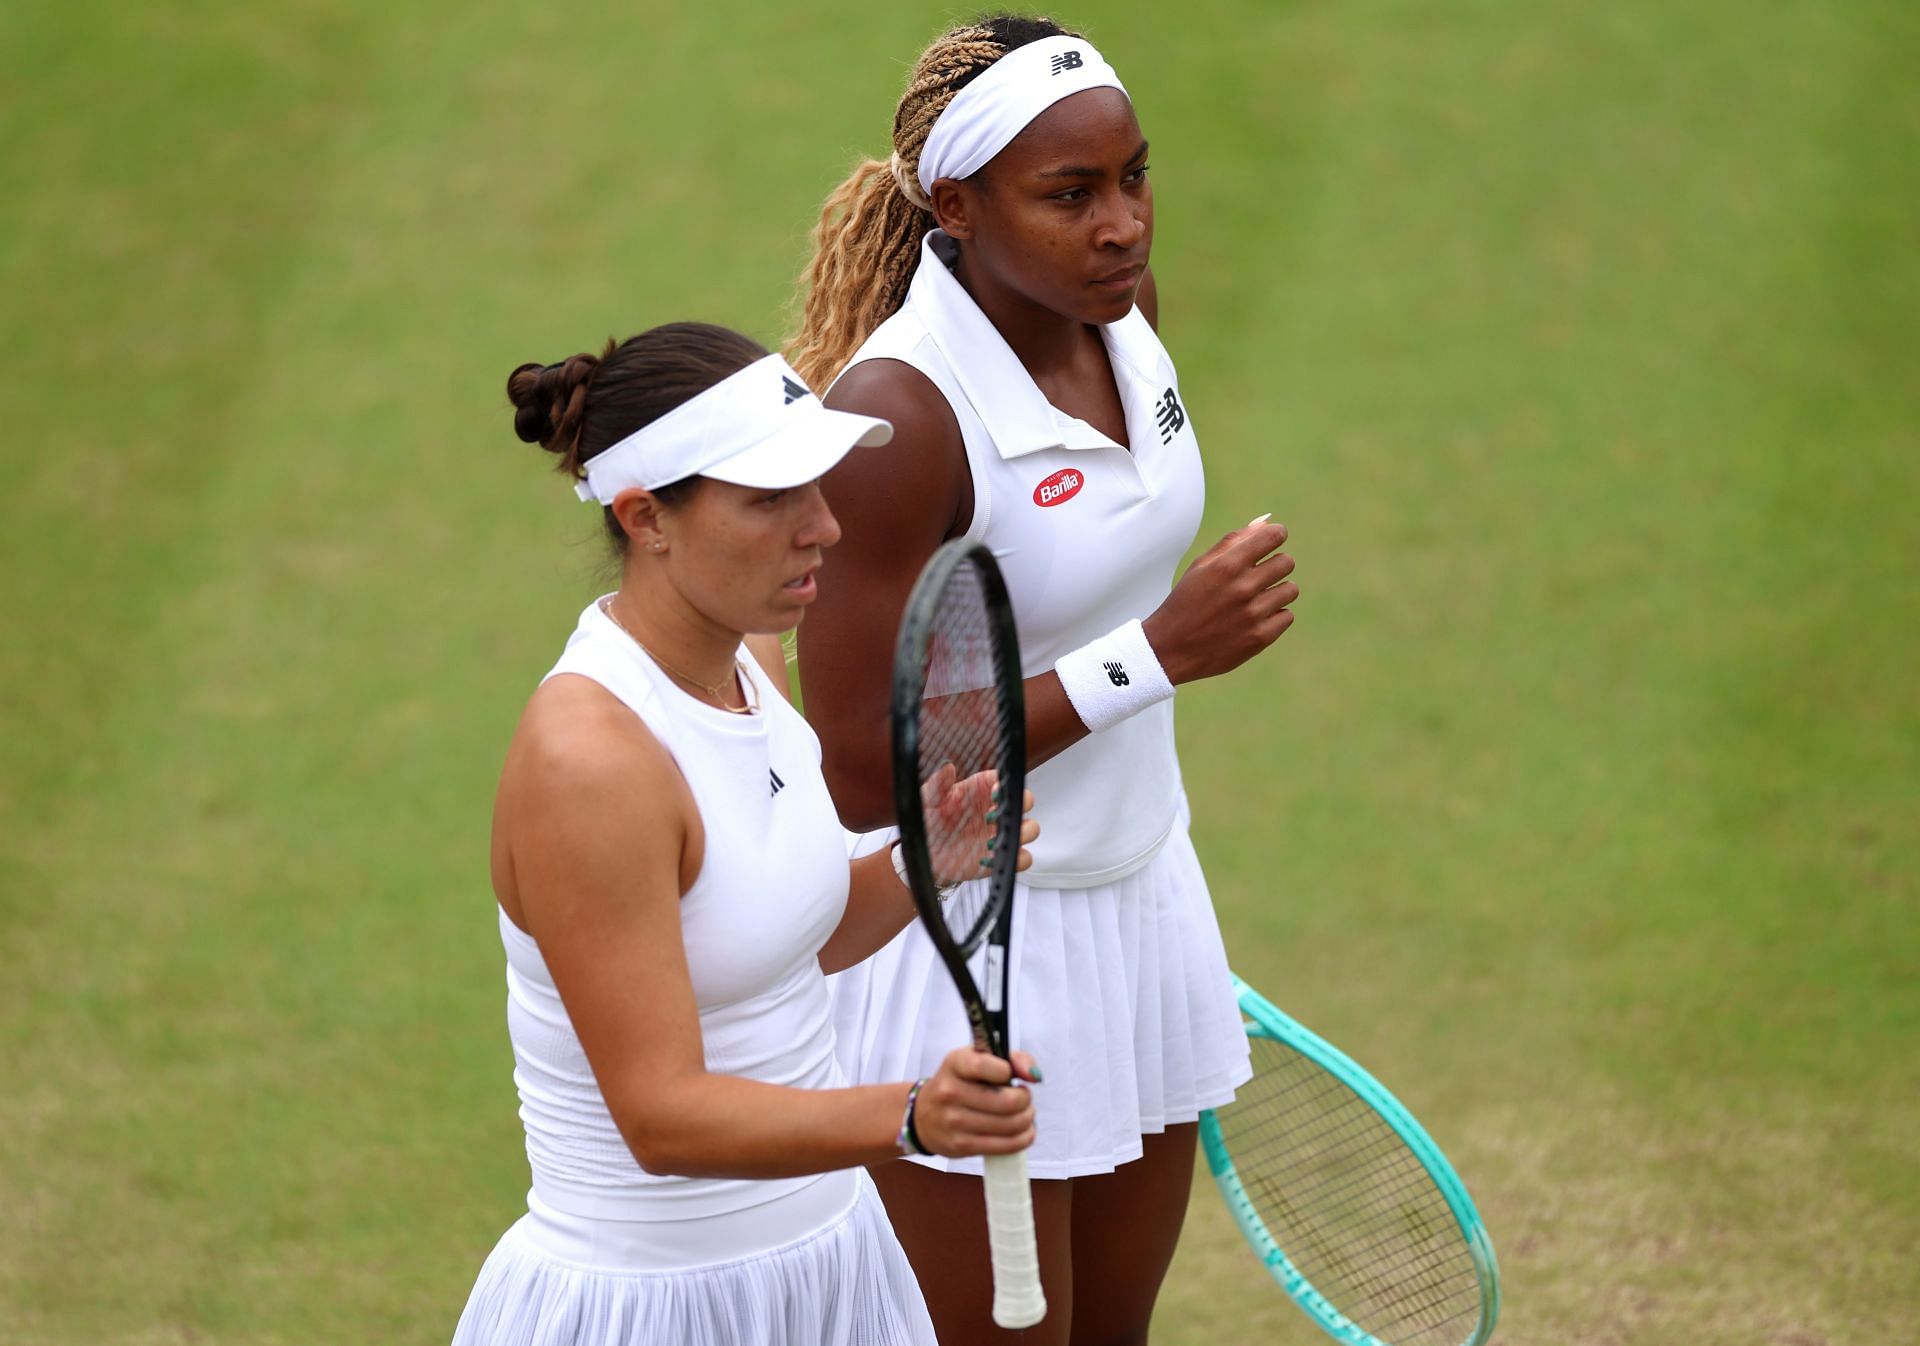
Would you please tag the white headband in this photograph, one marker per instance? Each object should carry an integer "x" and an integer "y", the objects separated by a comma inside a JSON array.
[
  {"x": 984, "y": 117},
  {"x": 760, "y": 426}
]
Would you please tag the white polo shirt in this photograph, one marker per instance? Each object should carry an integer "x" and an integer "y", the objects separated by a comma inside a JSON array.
[{"x": 1088, "y": 535}]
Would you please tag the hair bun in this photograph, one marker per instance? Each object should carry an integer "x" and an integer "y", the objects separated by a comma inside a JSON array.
[{"x": 549, "y": 402}]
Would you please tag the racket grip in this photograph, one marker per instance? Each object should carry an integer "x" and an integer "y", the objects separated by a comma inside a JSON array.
[{"x": 1017, "y": 1298}]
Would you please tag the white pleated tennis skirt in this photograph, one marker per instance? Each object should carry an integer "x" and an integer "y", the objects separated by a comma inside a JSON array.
[
  {"x": 1120, "y": 992},
  {"x": 559, "y": 1280}
]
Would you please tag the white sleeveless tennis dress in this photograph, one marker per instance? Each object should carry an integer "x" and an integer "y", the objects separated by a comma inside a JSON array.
[
  {"x": 1118, "y": 982},
  {"x": 610, "y": 1253}
]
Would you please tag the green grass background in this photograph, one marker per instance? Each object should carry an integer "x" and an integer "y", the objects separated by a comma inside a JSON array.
[{"x": 1575, "y": 342}]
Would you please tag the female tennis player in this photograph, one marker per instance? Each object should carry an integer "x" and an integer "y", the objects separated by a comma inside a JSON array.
[
  {"x": 986, "y": 290},
  {"x": 673, "y": 884}
]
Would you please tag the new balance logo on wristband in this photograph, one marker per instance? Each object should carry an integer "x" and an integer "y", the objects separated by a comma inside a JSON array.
[
  {"x": 778, "y": 784},
  {"x": 1171, "y": 416},
  {"x": 1113, "y": 678},
  {"x": 1069, "y": 60}
]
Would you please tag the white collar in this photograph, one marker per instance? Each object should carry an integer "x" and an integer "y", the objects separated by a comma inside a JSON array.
[{"x": 1003, "y": 394}]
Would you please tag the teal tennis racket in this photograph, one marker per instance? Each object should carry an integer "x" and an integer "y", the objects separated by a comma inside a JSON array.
[{"x": 1346, "y": 1199}]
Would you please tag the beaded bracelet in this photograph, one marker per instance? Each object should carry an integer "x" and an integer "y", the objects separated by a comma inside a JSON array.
[{"x": 910, "y": 1139}]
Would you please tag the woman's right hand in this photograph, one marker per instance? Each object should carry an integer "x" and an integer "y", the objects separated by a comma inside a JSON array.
[
  {"x": 1233, "y": 602},
  {"x": 971, "y": 1105}
]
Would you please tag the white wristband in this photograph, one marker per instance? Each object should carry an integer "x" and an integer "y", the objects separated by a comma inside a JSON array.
[{"x": 1113, "y": 677}]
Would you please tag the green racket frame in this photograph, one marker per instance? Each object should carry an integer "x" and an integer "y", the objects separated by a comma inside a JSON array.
[{"x": 1265, "y": 1020}]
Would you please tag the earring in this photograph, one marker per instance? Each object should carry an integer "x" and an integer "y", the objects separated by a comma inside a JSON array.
[{"x": 659, "y": 546}]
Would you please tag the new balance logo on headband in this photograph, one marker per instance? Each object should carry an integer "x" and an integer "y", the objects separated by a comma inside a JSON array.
[
  {"x": 1171, "y": 416},
  {"x": 1066, "y": 61},
  {"x": 795, "y": 389}
]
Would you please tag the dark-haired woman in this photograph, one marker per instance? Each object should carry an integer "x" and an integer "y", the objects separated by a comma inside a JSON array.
[
  {"x": 672, "y": 882},
  {"x": 986, "y": 290}
]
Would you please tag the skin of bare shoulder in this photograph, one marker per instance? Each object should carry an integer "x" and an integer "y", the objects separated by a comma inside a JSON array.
[
  {"x": 581, "y": 754},
  {"x": 909, "y": 496}
]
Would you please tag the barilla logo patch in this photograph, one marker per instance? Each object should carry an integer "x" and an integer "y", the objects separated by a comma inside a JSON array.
[{"x": 1062, "y": 486}]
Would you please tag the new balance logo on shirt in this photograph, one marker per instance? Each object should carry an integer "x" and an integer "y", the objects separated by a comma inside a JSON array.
[
  {"x": 1170, "y": 414},
  {"x": 795, "y": 391},
  {"x": 1069, "y": 60},
  {"x": 1115, "y": 673},
  {"x": 778, "y": 784}
]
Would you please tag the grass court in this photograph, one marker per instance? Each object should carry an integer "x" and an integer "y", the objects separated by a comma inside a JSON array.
[{"x": 1575, "y": 343}]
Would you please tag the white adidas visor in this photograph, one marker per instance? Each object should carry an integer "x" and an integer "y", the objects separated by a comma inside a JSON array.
[{"x": 758, "y": 427}]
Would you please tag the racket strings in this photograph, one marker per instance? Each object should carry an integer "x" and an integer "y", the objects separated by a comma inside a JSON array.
[
  {"x": 1350, "y": 1204},
  {"x": 1347, "y": 1183},
  {"x": 1381, "y": 1266},
  {"x": 1380, "y": 1257},
  {"x": 963, "y": 749}
]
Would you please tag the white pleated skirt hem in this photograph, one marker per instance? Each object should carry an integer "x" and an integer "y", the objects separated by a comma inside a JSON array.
[
  {"x": 1121, "y": 993},
  {"x": 846, "y": 1284}
]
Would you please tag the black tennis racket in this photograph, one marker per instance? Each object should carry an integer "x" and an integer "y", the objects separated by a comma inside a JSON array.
[{"x": 959, "y": 750}]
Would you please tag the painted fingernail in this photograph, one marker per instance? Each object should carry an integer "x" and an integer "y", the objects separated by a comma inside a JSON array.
[
  {"x": 993, "y": 843},
  {"x": 987, "y": 863},
  {"x": 1262, "y": 519},
  {"x": 992, "y": 814},
  {"x": 996, "y": 794},
  {"x": 1038, "y": 1076}
]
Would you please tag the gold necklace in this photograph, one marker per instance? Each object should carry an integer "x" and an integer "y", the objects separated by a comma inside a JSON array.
[{"x": 716, "y": 690}]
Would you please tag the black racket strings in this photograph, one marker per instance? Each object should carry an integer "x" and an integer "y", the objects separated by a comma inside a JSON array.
[
  {"x": 963, "y": 733},
  {"x": 1352, "y": 1207}
]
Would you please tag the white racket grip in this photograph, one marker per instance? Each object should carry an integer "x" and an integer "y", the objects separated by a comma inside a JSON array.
[{"x": 1017, "y": 1299}]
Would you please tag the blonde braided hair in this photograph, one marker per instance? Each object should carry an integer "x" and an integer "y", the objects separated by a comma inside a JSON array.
[{"x": 867, "y": 242}]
